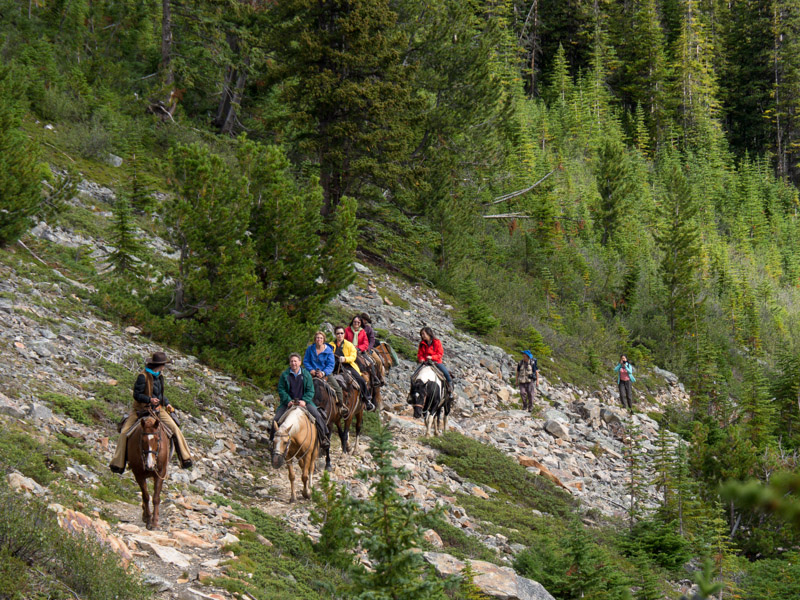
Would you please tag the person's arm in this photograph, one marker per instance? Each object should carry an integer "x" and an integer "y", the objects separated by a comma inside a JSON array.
[
  {"x": 420, "y": 353},
  {"x": 618, "y": 367},
  {"x": 283, "y": 389},
  {"x": 350, "y": 353},
  {"x": 140, "y": 390},
  {"x": 328, "y": 362},
  {"x": 308, "y": 357},
  {"x": 371, "y": 338},
  {"x": 363, "y": 341},
  {"x": 348, "y": 334},
  {"x": 308, "y": 388},
  {"x": 438, "y": 351}
]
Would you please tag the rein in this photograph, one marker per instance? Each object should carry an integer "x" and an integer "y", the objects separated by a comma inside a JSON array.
[{"x": 286, "y": 434}]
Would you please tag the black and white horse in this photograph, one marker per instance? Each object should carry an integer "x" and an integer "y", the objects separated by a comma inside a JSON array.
[{"x": 429, "y": 399}]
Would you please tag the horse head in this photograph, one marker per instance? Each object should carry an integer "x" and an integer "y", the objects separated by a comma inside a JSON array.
[
  {"x": 279, "y": 448},
  {"x": 417, "y": 397},
  {"x": 150, "y": 443}
]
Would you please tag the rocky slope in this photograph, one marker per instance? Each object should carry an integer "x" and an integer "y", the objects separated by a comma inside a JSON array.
[{"x": 65, "y": 360}]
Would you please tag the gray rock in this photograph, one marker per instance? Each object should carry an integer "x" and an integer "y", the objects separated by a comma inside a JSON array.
[
  {"x": 609, "y": 416},
  {"x": 361, "y": 268},
  {"x": 114, "y": 160},
  {"x": 10, "y": 407},
  {"x": 39, "y": 412},
  {"x": 159, "y": 584},
  {"x": 557, "y": 429},
  {"x": 556, "y": 415},
  {"x": 494, "y": 581},
  {"x": 671, "y": 378}
]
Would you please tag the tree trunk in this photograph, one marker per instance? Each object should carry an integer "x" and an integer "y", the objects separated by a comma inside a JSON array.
[
  {"x": 166, "y": 43},
  {"x": 232, "y": 88}
]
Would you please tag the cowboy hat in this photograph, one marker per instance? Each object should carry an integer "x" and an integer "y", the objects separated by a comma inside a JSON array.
[{"x": 158, "y": 358}]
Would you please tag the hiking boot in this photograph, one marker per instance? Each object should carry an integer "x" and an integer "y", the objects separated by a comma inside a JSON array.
[
  {"x": 324, "y": 443},
  {"x": 116, "y": 469},
  {"x": 187, "y": 464}
]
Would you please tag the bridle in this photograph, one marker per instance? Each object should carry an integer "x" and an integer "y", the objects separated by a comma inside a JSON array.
[
  {"x": 146, "y": 449},
  {"x": 285, "y": 434}
]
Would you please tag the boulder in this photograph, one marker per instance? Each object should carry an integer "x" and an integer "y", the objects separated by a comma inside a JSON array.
[
  {"x": 10, "y": 408},
  {"x": 359, "y": 268},
  {"x": 671, "y": 378},
  {"x": 20, "y": 483},
  {"x": 557, "y": 429},
  {"x": 494, "y": 581}
]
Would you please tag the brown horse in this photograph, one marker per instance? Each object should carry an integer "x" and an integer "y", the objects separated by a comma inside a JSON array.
[
  {"x": 149, "y": 451},
  {"x": 353, "y": 409},
  {"x": 297, "y": 440},
  {"x": 384, "y": 358}
]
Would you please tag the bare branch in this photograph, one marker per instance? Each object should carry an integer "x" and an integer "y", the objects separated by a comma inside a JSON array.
[{"x": 511, "y": 195}]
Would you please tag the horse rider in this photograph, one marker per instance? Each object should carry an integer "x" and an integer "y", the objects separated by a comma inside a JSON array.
[
  {"x": 357, "y": 336},
  {"x": 430, "y": 349},
  {"x": 319, "y": 360},
  {"x": 367, "y": 323},
  {"x": 346, "y": 355},
  {"x": 148, "y": 392},
  {"x": 296, "y": 388}
]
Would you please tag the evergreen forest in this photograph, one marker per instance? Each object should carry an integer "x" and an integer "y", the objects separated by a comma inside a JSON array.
[{"x": 581, "y": 178}]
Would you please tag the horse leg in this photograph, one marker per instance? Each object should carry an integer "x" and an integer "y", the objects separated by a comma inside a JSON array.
[
  {"x": 359, "y": 420},
  {"x": 291, "y": 482},
  {"x": 428, "y": 419},
  {"x": 142, "y": 481},
  {"x": 157, "y": 484}
]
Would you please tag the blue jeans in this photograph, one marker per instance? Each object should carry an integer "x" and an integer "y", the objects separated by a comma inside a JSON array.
[{"x": 445, "y": 372}]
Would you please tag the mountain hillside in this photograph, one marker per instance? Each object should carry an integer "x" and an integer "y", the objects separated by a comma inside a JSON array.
[{"x": 72, "y": 371}]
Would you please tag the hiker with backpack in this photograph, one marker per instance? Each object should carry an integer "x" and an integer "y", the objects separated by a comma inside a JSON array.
[{"x": 527, "y": 379}]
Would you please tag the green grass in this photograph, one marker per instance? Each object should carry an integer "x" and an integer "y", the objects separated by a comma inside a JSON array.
[
  {"x": 487, "y": 465},
  {"x": 459, "y": 544},
  {"x": 395, "y": 299},
  {"x": 29, "y": 456},
  {"x": 78, "y": 409},
  {"x": 403, "y": 346}
]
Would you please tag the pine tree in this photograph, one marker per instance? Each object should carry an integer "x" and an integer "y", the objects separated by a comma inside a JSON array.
[
  {"x": 391, "y": 531},
  {"x": 616, "y": 188},
  {"x": 636, "y": 483},
  {"x": 679, "y": 241},
  {"x": 126, "y": 244},
  {"x": 757, "y": 406},
  {"x": 349, "y": 92},
  {"x": 21, "y": 172},
  {"x": 334, "y": 513}
]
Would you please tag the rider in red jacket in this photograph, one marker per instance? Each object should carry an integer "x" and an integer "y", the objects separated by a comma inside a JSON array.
[{"x": 430, "y": 348}]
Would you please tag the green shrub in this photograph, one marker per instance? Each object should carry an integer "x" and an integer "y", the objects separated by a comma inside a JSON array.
[
  {"x": 773, "y": 579},
  {"x": 27, "y": 455},
  {"x": 532, "y": 340},
  {"x": 487, "y": 465},
  {"x": 660, "y": 541},
  {"x": 30, "y": 534},
  {"x": 78, "y": 409}
]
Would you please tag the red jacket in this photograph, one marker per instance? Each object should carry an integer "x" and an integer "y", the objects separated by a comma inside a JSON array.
[
  {"x": 434, "y": 351},
  {"x": 363, "y": 340}
]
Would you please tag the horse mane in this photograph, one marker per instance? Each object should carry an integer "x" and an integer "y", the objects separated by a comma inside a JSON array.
[{"x": 292, "y": 420}]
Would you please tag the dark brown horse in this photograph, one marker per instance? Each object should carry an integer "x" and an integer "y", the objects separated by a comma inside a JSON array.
[
  {"x": 149, "y": 451},
  {"x": 384, "y": 359},
  {"x": 353, "y": 411}
]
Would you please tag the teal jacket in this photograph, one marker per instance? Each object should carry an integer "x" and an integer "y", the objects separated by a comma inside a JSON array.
[
  {"x": 308, "y": 388},
  {"x": 629, "y": 369}
]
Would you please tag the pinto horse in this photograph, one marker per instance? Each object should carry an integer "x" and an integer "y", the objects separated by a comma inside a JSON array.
[
  {"x": 149, "y": 451},
  {"x": 429, "y": 399},
  {"x": 297, "y": 440}
]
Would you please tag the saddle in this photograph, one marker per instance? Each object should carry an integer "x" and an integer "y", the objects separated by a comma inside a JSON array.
[
  {"x": 440, "y": 376},
  {"x": 303, "y": 408},
  {"x": 142, "y": 415}
]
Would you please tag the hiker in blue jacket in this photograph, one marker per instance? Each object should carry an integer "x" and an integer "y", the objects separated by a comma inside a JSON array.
[{"x": 625, "y": 378}]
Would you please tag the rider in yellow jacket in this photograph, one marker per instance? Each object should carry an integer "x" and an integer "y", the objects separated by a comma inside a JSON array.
[{"x": 346, "y": 354}]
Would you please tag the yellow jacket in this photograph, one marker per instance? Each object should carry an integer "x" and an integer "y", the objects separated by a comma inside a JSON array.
[{"x": 349, "y": 352}]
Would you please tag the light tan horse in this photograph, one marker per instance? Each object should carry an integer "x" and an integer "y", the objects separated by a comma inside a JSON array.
[
  {"x": 297, "y": 440},
  {"x": 149, "y": 451}
]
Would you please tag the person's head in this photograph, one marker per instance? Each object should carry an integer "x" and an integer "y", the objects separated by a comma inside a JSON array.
[
  {"x": 426, "y": 333},
  {"x": 365, "y": 320},
  {"x": 527, "y": 355},
  {"x": 319, "y": 338},
  {"x": 623, "y": 358},
  {"x": 157, "y": 361},
  {"x": 356, "y": 322},
  {"x": 339, "y": 333},
  {"x": 295, "y": 361}
]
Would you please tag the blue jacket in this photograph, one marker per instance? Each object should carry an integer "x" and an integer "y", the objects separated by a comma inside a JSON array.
[
  {"x": 319, "y": 362},
  {"x": 629, "y": 368}
]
